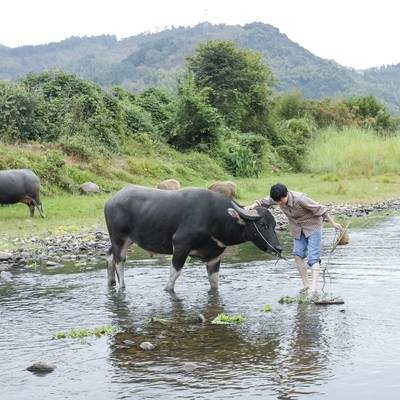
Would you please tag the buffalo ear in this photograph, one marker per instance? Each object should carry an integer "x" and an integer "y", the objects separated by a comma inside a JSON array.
[{"x": 233, "y": 213}]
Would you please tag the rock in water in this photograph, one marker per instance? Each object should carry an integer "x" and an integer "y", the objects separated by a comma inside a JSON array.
[
  {"x": 201, "y": 318},
  {"x": 42, "y": 367},
  {"x": 147, "y": 346},
  {"x": 5, "y": 256}
]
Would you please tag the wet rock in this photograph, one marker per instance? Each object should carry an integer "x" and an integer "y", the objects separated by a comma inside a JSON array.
[
  {"x": 51, "y": 263},
  {"x": 128, "y": 342},
  {"x": 147, "y": 346},
  {"x": 5, "y": 256},
  {"x": 201, "y": 318},
  {"x": 42, "y": 367},
  {"x": 5, "y": 276}
]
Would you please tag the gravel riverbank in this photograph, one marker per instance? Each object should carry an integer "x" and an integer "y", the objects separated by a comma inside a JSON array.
[{"x": 85, "y": 248}]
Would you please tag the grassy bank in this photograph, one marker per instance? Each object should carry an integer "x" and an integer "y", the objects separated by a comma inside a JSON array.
[
  {"x": 346, "y": 166},
  {"x": 73, "y": 213},
  {"x": 350, "y": 152}
]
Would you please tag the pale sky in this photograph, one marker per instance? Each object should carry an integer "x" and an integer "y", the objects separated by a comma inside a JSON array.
[{"x": 355, "y": 33}]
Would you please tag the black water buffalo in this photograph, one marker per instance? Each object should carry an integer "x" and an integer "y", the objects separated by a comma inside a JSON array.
[
  {"x": 189, "y": 222},
  {"x": 20, "y": 186}
]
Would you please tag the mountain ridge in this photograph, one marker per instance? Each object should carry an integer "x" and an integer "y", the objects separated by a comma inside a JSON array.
[{"x": 155, "y": 59}]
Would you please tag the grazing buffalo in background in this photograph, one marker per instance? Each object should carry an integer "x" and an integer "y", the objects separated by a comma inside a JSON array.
[
  {"x": 227, "y": 188},
  {"x": 189, "y": 222},
  {"x": 20, "y": 186},
  {"x": 169, "y": 184}
]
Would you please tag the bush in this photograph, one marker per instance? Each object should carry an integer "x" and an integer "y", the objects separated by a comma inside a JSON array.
[
  {"x": 243, "y": 154},
  {"x": 289, "y": 105},
  {"x": 369, "y": 113},
  {"x": 294, "y": 136}
]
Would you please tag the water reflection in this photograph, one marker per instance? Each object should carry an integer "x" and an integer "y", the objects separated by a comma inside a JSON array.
[
  {"x": 294, "y": 352},
  {"x": 284, "y": 359}
]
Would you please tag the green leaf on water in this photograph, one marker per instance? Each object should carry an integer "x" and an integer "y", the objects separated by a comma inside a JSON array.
[
  {"x": 78, "y": 333},
  {"x": 267, "y": 308},
  {"x": 223, "y": 319}
]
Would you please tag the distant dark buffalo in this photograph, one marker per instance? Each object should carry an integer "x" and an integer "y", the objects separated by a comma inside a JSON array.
[
  {"x": 227, "y": 188},
  {"x": 189, "y": 222},
  {"x": 169, "y": 184},
  {"x": 20, "y": 186}
]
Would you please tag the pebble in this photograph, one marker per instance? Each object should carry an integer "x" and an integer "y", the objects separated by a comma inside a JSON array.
[
  {"x": 42, "y": 366},
  {"x": 147, "y": 346},
  {"x": 128, "y": 342}
]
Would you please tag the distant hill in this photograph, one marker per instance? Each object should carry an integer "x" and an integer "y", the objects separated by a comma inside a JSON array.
[{"x": 156, "y": 59}]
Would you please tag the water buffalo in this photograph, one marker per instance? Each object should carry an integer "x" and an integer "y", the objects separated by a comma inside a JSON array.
[
  {"x": 189, "y": 222},
  {"x": 21, "y": 186},
  {"x": 227, "y": 188},
  {"x": 169, "y": 184}
]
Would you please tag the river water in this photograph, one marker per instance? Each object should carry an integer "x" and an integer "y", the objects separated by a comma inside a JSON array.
[{"x": 294, "y": 352}]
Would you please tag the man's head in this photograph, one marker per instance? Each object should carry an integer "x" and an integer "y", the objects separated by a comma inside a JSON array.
[{"x": 279, "y": 193}]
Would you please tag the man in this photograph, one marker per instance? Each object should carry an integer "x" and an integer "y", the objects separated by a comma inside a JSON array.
[{"x": 305, "y": 220}]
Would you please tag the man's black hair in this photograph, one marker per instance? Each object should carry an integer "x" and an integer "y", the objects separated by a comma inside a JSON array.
[{"x": 278, "y": 191}]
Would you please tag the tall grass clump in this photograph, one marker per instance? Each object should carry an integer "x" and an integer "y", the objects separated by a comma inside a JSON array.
[{"x": 353, "y": 152}]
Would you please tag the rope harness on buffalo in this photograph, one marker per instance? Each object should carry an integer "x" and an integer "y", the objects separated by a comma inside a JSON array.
[{"x": 269, "y": 244}]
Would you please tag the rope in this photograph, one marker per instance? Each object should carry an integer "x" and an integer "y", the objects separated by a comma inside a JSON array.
[
  {"x": 336, "y": 239},
  {"x": 268, "y": 243}
]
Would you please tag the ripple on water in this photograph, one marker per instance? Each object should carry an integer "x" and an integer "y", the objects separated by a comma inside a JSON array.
[{"x": 295, "y": 351}]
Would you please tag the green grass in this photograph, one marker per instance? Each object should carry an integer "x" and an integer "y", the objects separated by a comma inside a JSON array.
[
  {"x": 351, "y": 166},
  {"x": 353, "y": 152}
]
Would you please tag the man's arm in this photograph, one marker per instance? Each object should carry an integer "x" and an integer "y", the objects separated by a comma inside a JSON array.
[
  {"x": 265, "y": 202},
  {"x": 319, "y": 210}
]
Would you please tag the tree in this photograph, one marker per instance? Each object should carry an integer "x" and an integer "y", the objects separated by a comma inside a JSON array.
[
  {"x": 239, "y": 84},
  {"x": 197, "y": 124}
]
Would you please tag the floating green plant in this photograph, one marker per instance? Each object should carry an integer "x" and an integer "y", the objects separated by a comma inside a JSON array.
[
  {"x": 223, "y": 319},
  {"x": 267, "y": 308},
  {"x": 78, "y": 333},
  {"x": 298, "y": 299}
]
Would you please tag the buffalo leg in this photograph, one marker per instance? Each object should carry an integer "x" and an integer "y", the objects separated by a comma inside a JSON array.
[
  {"x": 178, "y": 261},
  {"x": 213, "y": 272},
  {"x": 31, "y": 206},
  {"x": 117, "y": 264},
  {"x": 110, "y": 268}
]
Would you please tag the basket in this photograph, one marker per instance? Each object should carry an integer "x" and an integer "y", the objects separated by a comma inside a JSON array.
[{"x": 343, "y": 238}]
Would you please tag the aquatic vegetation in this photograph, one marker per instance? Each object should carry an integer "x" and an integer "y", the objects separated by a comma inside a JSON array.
[
  {"x": 267, "y": 308},
  {"x": 78, "y": 333},
  {"x": 302, "y": 299},
  {"x": 223, "y": 319}
]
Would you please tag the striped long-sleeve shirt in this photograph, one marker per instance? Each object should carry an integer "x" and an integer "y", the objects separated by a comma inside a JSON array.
[{"x": 303, "y": 213}]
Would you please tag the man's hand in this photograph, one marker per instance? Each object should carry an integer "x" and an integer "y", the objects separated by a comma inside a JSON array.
[
  {"x": 337, "y": 226},
  {"x": 251, "y": 206}
]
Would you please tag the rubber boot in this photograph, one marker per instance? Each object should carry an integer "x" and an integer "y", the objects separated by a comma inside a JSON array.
[
  {"x": 301, "y": 266},
  {"x": 315, "y": 268}
]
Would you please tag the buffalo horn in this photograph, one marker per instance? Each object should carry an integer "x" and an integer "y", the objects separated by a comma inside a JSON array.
[{"x": 251, "y": 215}]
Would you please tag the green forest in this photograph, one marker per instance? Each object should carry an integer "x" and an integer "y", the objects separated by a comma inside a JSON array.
[{"x": 225, "y": 119}]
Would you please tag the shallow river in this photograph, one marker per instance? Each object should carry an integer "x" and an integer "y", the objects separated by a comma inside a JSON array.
[{"x": 296, "y": 351}]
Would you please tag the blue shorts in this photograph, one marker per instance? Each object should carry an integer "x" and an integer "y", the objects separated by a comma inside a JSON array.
[{"x": 310, "y": 246}]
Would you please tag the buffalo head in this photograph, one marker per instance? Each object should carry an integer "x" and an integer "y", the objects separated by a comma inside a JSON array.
[{"x": 259, "y": 227}]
